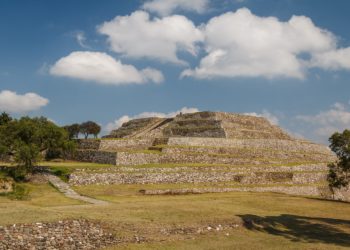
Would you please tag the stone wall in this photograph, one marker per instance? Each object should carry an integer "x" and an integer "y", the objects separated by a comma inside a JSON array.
[
  {"x": 253, "y": 153},
  {"x": 195, "y": 126},
  {"x": 322, "y": 191},
  {"x": 103, "y": 157},
  {"x": 183, "y": 158},
  {"x": 126, "y": 158},
  {"x": 203, "y": 150},
  {"x": 282, "y": 145},
  {"x": 123, "y": 144},
  {"x": 88, "y": 144},
  {"x": 136, "y": 158},
  {"x": 245, "y": 126},
  {"x": 291, "y": 190},
  {"x": 67, "y": 234},
  {"x": 317, "y": 167},
  {"x": 83, "y": 178}
]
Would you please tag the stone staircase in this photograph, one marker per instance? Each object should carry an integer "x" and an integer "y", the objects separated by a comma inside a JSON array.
[{"x": 144, "y": 132}]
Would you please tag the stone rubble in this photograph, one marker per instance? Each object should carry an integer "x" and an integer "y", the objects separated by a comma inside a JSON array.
[{"x": 65, "y": 235}]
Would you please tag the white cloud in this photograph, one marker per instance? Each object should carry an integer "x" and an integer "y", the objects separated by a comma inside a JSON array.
[
  {"x": 102, "y": 68},
  {"x": 332, "y": 60},
  {"x": 125, "y": 118},
  {"x": 138, "y": 36},
  {"x": 81, "y": 39},
  {"x": 266, "y": 114},
  {"x": 241, "y": 44},
  {"x": 322, "y": 125},
  {"x": 166, "y": 7},
  {"x": 12, "y": 102}
]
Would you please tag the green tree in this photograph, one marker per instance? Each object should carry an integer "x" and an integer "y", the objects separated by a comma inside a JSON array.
[
  {"x": 73, "y": 130},
  {"x": 339, "y": 172},
  {"x": 30, "y": 139},
  {"x": 5, "y": 118},
  {"x": 90, "y": 128}
]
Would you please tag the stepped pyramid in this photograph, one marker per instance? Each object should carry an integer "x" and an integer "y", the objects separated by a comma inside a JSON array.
[{"x": 209, "y": 151}]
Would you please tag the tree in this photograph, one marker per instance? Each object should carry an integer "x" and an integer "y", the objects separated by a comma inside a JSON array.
[
  {"x": 5, "y": 118},
  {"x": 29, "y": 139},
  {"x": 90, "y": 128},
  {"x": 95, "y": 129},
  {"x": 339, "y": 172},
  {"x": 73, "y": 130}
]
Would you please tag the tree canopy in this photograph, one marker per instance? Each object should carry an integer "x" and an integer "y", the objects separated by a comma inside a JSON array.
[
  {"x": 90, "y": 128},
  {"x": 73, "y": 130},
  {"x": 339, "y": 172},
  {"x": 27, "y": 140}
]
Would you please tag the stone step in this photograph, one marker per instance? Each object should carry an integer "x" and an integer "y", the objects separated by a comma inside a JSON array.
[
  {"x": 248, "y": 153},
  {"x": 85, "y": 178},
  {"x": 239, "y": 169},
  {"x": 274, "y": 144},
  {"x": 141, "y": 158},
  {"x": 301, "y": 190}
]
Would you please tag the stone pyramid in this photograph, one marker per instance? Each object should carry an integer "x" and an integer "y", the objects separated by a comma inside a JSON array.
[{"x": 228, "y": 152}]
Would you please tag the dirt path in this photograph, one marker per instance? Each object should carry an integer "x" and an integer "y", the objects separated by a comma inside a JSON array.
[{"x": 69, "y": 192}]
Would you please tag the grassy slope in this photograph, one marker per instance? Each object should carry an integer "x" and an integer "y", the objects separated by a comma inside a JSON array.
[
  {"x": 290, "y": 217},
  {"x": 282, "y": 221}
]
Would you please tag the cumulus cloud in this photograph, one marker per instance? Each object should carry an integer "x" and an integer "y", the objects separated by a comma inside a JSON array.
[
  {"x": 266, "y": 114},
  {"x": 322, "y": 125},
  {"x": 102, "y": 68},
  {"x": 166, "y": 7},
  {"x": 139, "y": 36},
  {"x": 241, "y": 44},
  {"x": 15, "y": 103},
  {"x": 125, "y": 118},
  {"x": 332, "y": 60}
]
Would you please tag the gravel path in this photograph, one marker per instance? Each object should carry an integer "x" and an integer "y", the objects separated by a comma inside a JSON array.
[{"x": 67, "y": 191}]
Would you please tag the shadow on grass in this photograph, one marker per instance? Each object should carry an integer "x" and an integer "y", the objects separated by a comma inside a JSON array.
[
  {"x": 328, "y": 200},
  {"x": 300, "y": 228}
]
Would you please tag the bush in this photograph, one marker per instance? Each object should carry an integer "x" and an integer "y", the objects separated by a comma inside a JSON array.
[{"x": 18, "y": 173}]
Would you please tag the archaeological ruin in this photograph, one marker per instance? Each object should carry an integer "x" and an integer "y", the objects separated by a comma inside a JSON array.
[{"x": 209, "y": 151}]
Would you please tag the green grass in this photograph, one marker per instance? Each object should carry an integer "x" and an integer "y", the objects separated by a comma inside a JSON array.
[
  {"x": 278, "y": 221},
  {"x": 42, "y": 195},
  {"x": 282, "y": 221},
  {"x": 239, "y": 240},
  {"x": 75, "y": 165},
  {"x": 144, "y": 151}
]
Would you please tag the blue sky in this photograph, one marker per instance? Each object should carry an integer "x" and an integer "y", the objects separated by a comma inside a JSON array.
[{"x": 72, "y": 61}]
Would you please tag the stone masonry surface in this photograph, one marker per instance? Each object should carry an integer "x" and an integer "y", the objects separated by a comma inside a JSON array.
[
  {"x": 283, "y": 145},
  {"x": 103, "y": 157},
  {"x": 83, "y": 178},
  {"x": 115, "y": 145},
  {"x": 65, "y": 235},
  {"x": 316, "y": 191},
  {"x": 136, "y": 158}
]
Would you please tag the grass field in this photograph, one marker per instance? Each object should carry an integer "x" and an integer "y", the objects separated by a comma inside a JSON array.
[{"x": 265, "y": 220}]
